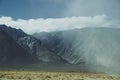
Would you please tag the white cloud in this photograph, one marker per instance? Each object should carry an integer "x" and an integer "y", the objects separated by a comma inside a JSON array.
[{"x": 53, "y": 24}]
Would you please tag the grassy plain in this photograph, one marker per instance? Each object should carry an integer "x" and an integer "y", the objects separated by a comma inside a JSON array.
[{"x": 40, "y": 75}]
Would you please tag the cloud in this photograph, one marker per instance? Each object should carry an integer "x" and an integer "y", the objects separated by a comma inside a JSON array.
[
  {"x": 93, "y": 7},
  {"x": 53, "y": 24}
]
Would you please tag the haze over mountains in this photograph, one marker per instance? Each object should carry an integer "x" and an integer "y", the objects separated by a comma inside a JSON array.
[{"x": 96, "y": 48}]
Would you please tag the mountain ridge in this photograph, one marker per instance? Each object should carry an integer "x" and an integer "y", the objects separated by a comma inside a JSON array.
[
  {"x": 11, "y": 52},
  {"x": 32, "y": 45},
  {"x": 88, "y": 49},
  {"x": 90, "y": 46}
]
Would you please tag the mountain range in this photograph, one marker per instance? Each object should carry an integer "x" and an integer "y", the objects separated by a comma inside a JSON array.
[{"x": 95, "y": 49}]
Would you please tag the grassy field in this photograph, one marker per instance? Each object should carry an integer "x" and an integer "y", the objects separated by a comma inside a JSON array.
[{"x": 39, "y": 75}]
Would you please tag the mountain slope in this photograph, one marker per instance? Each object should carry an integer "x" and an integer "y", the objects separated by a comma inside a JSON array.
[
  {"x": 93, "y": 46},
  {"x": 32, "y": 45},
  {"x": 11, "y": 53}
]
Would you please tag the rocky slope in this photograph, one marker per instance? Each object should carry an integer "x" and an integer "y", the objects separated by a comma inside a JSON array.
[
  {"x": 91, "y": 46},
  {"x": 89, "y": 49},
  {"x": 12, "y": 53},
  {"x": 32, "y": 45}
]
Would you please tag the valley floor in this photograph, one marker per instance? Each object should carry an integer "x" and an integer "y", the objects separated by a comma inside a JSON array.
[{"x": 40, "y": 75}]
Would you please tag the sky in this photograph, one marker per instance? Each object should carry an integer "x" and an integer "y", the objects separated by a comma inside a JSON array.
[{"x": 50, "y": 15}]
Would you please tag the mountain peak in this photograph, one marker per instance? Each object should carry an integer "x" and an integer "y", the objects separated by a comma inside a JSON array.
[{"x": 12, "y": 31}]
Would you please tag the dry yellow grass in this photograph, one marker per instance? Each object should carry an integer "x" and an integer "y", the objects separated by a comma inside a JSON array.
[{"x": 37, "y": 75}]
